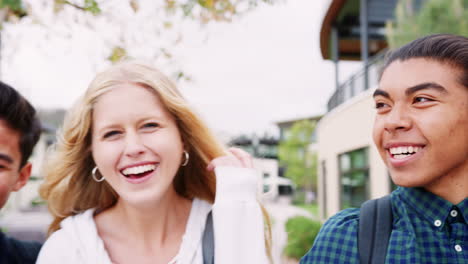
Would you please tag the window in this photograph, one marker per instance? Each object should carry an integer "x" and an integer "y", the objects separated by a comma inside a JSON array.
[
  {"x": 285, "y": 190},
  {"x": 354, "y": 176},
  {"x": 248, "y": 148},
  {"x": 313, "y": 137},
  {"x": 282, "y": 171},
  {"x": 267, "y": 151}
]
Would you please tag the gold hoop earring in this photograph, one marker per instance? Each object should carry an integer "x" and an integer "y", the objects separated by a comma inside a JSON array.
[
  {"x": 93, "y": 173},
  {"x": 187, "y": 156}
]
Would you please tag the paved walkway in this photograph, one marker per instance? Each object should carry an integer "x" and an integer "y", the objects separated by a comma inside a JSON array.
[
  {"x": 27, "y": 225},
  {"x": 280, "y": 212}
]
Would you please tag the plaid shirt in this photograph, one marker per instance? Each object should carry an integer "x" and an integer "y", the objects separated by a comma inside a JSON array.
[{"x": 426, "y": 229}]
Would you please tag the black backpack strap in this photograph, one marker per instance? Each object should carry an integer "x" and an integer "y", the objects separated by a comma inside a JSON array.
[
  {"x": 208, "y": 241},
  {"x": 375, "y": 228}
]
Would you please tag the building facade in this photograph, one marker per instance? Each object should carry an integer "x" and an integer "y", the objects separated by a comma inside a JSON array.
[
  {"x": 264, "y": 151},
  {"x": 350, "y": 170}
]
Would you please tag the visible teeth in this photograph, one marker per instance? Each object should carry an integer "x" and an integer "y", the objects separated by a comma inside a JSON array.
[
  {"x": 401, "y": 156},
  {"x": 404, "y": 149},
  {"x": 139, "y": 169}
]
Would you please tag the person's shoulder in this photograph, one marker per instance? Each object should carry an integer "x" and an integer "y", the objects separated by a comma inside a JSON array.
[
  {"x": 337, "y": 240},
  {"x": 198, "y": 213},
  {"x": 342, "y": 226},
  {"x": 17, "y": 251},
  {"x": 201, "y": 205},
  {"x": 343, "y": 219},
  {"x": 64, "y": 243},
  {"x": 56, "y": 247}
]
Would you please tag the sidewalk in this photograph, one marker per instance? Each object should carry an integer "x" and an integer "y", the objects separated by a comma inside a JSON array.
[
  {"x": 280, "y": 212},
  {"x": 27, "y": 225}
]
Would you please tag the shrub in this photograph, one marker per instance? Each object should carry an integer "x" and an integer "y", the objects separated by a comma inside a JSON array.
[
  {"x": 299, "y": 196},
  {"x": 38, "y": 201},
  {"x": 301, "y": 235}
]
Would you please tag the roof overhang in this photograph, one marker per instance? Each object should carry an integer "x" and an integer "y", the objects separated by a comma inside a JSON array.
[{"x": 344, "y": 14}]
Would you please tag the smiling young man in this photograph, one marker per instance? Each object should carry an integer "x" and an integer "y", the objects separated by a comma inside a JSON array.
[
  {"x": 421, "y": 132},
  {"x": 19, "y": 133}
]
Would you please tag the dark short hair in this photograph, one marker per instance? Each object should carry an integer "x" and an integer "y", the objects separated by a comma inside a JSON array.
[
  {"x": 21, "y": 116},
  {"x": 444, "y": 48}
]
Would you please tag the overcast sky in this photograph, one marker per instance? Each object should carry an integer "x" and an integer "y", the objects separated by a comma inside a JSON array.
[{"x": 262, "y": 68}]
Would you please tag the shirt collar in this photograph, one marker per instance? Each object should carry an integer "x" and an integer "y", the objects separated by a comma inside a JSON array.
[
  {"x": 430, "y": 206},
  {"x": 463, "y": 207}
]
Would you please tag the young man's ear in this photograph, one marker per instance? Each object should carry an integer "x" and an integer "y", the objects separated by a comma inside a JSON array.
[{"x": 23, "y": 177}]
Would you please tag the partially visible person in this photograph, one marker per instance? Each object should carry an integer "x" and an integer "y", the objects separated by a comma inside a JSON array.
[
  {"x": 134, "y": 177},
  {"x": 421, "y": 132},
  {"x": 20, "y": 130}
]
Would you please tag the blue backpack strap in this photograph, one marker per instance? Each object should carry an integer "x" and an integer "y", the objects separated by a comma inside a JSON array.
[
  {"x": 375, "y": 228},
  {"x": 208, "y": 241}
]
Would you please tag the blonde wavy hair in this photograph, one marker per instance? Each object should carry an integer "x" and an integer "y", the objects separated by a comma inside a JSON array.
[{"x": 69, "y": 188}]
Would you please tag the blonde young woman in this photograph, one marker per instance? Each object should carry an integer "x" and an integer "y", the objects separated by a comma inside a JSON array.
[{"x": 135, "y": 174}]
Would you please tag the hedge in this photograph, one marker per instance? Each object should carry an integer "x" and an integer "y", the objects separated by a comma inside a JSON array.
[{"x": 301, "y": 235}]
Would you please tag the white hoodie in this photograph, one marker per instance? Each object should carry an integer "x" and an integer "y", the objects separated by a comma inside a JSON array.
[{"x": 237, "y": 224}]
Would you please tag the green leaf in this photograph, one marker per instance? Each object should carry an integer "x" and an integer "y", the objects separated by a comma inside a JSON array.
[
  {"x": 15, "y": 5},
  {"x": 117, "y": 54},
  {"x": 92, "y": 6}
]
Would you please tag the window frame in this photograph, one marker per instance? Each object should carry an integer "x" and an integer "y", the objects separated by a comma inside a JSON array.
[{"x": 353, "y": 169}]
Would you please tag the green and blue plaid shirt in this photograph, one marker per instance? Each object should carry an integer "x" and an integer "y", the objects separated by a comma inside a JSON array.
[{"x": 426, "y": 229}]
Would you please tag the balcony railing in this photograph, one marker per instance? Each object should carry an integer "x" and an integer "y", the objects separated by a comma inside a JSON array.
[{"x": 356, "y": 84}]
